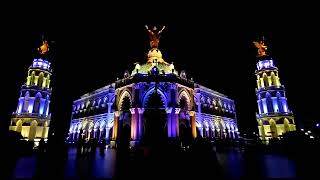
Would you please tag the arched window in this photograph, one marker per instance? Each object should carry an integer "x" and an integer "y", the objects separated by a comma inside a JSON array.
[
  {"x": 40, "y": 79},
  {"x": 19, "y": 125},
  {"x": 99, "y": 102},
  {"x": 32, "y": 78},
  {"x": 269, "y": 102},
  {"x": 273, "y": 128},
  {"x": 87, "y": 104},
  {"x": 26, "y": 102},
  {"x": 36, "y": 104},
  {"x": 280, "y": 106},
  {"x": 265, "y": 80},
  {"x": 33, "y": 130},
  {"x": 286, "y": 125},
  {"x": 183, "y": 104},
  {"x": 46, "y": 106},
  {"x": 258, "y": 82},
  {"x": 273, "y": 79}
]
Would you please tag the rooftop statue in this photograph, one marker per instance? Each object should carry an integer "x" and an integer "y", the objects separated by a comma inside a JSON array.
[
  {"x": 44, "y": 48},
  {"x": 261, "y": 48},
  {"x": 154, "y": 36}
]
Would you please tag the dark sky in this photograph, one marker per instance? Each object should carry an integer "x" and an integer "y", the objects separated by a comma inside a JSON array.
[{"x": 94, "y": 46}]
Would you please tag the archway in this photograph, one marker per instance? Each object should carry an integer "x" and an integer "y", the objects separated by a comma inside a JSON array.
[
  {"x": 185, "y": 133},
  {"x": 33, "y": 130},
  {"x": 286, "y": 125},
  {"x": 19, "y": 125},
  {"x": 155, "y": 118},
  {"x": 26, "y": 102},
  {"x": 40, "y": 80},
  {"x": 36, "y": 105},
  {"x": 125, "y": 136},
  {"x": 124, "y": 120},
  {"x": 273, "y": 128}
]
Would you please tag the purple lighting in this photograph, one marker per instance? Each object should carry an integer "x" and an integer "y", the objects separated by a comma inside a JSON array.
[
  {"x": 40, "y": 63},
  {"x": 265, "y": 64}
]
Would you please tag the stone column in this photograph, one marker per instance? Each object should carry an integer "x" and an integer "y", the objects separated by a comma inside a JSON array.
[
  {"x": 193, "y": 123},
  {"x": 115, "y": 129},
  {"x": 201, "y": 131},
  {"x": 224, "y": 133},
  {"x": 169, "y": 110},
  {"x": 213, "y": 132},
  {"x": 100, "y": 129},
  {"x": 89, "y": 134},
  {"x": 140, "y": 122},
  {"x": 175, "y": 123},
  {"x": 73, "y": 135},
  {"x": 107, "y": 133},
  {"x": 109, "y": 107},
  {"x": 78, "y": 134},
  {"x": 115, "y": 125},
  {"x": 134, "y": 126}
]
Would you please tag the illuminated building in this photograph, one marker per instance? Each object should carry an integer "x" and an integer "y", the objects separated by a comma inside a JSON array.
[
  {"x": 274, "y": 116},
  {"x": 153, "y": 102},
  {"x": 32, "y": 117}
]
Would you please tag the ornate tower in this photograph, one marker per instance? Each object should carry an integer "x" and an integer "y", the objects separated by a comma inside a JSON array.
[
  {"x": 32, "y": 117},
  {"x": 274, "y": 116}
]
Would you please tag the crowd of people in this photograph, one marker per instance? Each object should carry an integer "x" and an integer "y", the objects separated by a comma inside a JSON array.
[{"x": 89, "y": 146}]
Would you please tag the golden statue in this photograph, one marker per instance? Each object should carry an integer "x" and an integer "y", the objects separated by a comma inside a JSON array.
[
  {"x": 261, "y": 48},
  {"x": 154, "y": 36},
  {"x": 44, "y": 48}
]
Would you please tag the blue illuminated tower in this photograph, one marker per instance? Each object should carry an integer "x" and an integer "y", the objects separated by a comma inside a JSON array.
[
  {"x": 274, "y": 116},
  {"x": 32, "y": 117}
]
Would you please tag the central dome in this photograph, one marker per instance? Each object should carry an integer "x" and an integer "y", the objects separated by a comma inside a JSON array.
[{"x": 155, "y": 55}]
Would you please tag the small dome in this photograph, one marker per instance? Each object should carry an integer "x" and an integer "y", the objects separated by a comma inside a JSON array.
[{"x": 154, "y": 53}]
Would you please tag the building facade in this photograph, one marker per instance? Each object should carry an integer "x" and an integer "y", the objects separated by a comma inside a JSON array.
[
  {"x": 153, "y": 102},
  {"x": 274, "y": 116},
  {"x": 32, "y": 116}
]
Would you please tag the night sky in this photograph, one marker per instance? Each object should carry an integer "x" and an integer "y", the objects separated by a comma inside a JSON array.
[{"x": 92, "y": 47}]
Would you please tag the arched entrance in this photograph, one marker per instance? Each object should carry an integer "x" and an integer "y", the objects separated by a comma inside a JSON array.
[
  {"x": 125, "y": 136},
  {"x": 155, "y": 118},
  {"x": 124, "y": 131}
]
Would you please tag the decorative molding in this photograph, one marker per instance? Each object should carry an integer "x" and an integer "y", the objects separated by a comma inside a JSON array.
[
  {"x": 132, "y": 110},
  {"x": 141, "y": 110},
  {"x": 192, "y": 113},
  {"x": 117, "y": 113},
  {"x": 177, "y": 110},
  {"x": 169, "y": 110}
]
